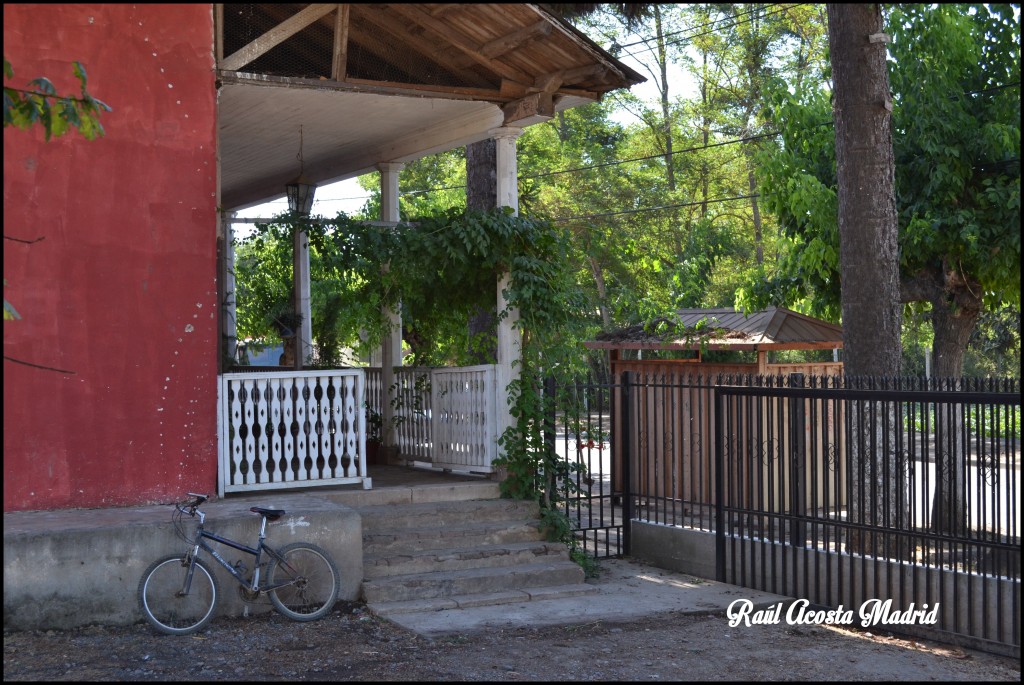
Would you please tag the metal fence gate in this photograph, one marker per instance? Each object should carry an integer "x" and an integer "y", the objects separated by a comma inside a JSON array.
[{"x": 771, "y": 469}]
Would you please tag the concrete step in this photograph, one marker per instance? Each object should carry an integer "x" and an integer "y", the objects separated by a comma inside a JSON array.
[
  {"x": 472, "y": 581},
  {"x": 478, "y": 556},
  {"x": 414, "y": 540},
  {"x": 391, "y": 517},
  {"x": 412, "y": 606}
]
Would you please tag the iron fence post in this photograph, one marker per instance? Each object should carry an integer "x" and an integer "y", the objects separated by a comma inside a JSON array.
[
  {"x": 718, "y": 399},
  {"x": 627, "y": 464},
  {"x": 798, "y": 465}
]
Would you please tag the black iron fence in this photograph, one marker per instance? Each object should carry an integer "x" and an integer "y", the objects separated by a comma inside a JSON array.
[{"x": 836, "y": 490}]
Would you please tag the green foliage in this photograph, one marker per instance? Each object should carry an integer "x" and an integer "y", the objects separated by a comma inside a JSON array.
[
  {"x": 10, "y": 313},
  {"x": 57, "y": 114},
  {"x": 955, "y": 76},
  {"x": 440, "y": 270},
  {"x": 41, "y": 105}
]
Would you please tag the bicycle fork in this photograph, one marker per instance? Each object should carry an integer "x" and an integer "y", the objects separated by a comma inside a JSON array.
[{"x": 190, "y": 560}]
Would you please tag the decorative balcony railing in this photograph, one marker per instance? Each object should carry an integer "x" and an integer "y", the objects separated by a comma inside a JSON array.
[{"x": 288, "y": 429}]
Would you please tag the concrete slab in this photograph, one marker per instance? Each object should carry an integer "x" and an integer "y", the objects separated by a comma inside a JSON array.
[{"x": 625, "y": 590}]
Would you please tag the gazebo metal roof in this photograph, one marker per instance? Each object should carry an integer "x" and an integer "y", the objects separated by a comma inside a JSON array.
[{"x": 775, "y": 328}]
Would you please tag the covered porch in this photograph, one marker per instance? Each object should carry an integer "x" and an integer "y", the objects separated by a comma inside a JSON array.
[{"x": 314, "y": 94}]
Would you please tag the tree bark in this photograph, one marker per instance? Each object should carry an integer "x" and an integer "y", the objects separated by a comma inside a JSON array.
[
  {"x": 868, "y": 249},
  {"x": 482, "y": 175},
  {"x": 482, "y": 194},
  {"x": 869, "y": 265}
]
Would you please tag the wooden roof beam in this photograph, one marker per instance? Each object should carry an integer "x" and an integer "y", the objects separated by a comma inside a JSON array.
[
  {"x": 444, "y": 9},
  {"x": 536, "y": 107},
  {"x": 378, "y": 16},
  {"x": 416, "y": 14},
  {"x": 276, "y": 36},
  {"x": 339, "y": 55},
  {"x": 516, "y": 39}
]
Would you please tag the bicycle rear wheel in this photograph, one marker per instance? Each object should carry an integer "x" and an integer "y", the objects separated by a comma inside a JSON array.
[
  {"x": 313, "y": 582},
  {"x": 162, "y": 601}
]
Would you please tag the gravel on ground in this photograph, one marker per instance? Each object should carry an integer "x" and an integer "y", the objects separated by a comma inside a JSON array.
[{"x": 352, "y": 644}]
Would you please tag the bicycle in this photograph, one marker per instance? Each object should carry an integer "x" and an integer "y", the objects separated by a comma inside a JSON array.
[{"x": 178, "y": 593}]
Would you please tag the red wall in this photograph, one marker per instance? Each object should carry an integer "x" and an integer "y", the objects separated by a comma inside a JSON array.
[{"x": 121, "y": 288}]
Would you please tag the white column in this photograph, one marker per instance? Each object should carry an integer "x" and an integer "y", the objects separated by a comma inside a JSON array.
[
  {"x": 509, "y": 337},
  {"x": 228, "y": 313},
  {"x": 300, "y": 274},
  {"x": 391, "y": 348},
  {"x": 508, "y": 169}
]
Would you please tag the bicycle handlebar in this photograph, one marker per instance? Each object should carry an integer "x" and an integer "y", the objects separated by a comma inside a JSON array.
[{"x": 190, "y": 507}]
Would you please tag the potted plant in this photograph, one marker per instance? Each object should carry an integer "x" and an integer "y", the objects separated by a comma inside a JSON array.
[
  {"x": 374, "y": 433},
  {"x": 288, "y": 324}
]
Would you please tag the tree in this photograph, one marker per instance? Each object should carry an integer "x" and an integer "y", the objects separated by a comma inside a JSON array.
[
  {"x": 956, "y": 79},
  {"x": 868, "y": 250},
  {"x": 955, "y": 74},
  {"x": 868, "y": 256}
]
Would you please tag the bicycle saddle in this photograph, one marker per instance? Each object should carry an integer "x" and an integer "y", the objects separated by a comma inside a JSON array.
[{"x": 271, "y": 514}]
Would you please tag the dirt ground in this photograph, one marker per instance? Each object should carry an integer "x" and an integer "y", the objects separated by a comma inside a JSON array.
[{"x": 351, "y": 644}]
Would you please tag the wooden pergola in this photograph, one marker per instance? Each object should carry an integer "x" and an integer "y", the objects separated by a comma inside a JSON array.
[{"x": 775, "y": 328}]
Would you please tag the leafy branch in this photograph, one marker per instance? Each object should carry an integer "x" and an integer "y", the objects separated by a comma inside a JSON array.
[{"x": 57, "y": 114}]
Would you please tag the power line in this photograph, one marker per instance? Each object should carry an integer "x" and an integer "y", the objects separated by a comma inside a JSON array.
[
  {"x": 658, "y": 208},
  {"x": 644, "y": 41},
  {"x": 656, "y": 156},
  {"x": 707, "y": 33}
]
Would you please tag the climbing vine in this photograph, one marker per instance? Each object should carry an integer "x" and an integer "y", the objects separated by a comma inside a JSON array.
[{"x": 439, "y": 271}]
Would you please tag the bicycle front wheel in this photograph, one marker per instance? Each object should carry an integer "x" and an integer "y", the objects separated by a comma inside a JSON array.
[
  {"x": 163, "y": 602},
  {"x": 312, "y": 582}
]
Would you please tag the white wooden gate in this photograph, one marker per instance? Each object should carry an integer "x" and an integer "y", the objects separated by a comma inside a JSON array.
[
  {"x": 289, "y": 429},
  {"x": 445, "y": 417},
  {"x": 463, "y": 418}
]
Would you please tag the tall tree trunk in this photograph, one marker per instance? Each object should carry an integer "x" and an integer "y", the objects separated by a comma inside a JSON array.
[
  {"x": 869, "y": 263},
  {"x": 482, "y": 175},
  {"x": 758, "y": 238},
  {"x": 956, "y": 305},
  {"x": 482, "y": 194},
  {"x": 666, "y": 110},
  {"x": 602, "y": 292}
]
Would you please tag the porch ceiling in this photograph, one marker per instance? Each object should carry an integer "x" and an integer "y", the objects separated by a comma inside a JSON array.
[{"x": 386, "y": 83}]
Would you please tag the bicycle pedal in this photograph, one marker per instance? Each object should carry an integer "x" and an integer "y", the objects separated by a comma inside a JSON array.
[{"x": 248, "y": 596}]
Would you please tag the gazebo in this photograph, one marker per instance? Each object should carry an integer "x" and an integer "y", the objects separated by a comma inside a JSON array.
[
  {"x": 699, "y": 330},
  {"x": 672, "y": 405}
]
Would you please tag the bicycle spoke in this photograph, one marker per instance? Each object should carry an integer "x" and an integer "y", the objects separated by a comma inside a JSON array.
[{"x": 312, "y": 579}]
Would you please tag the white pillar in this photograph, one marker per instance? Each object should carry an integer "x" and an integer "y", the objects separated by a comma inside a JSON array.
[
  {"x": 509, "y": 337},
  {"x": 300, "y": 274},
  {"x": 228, "y": 313},
  {"x": 391, "y": 349},
  {"x": 507, "y": 167}
]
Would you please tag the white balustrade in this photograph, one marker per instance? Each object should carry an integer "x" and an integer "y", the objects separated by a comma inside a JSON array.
[{"x": 287, "y": 429}]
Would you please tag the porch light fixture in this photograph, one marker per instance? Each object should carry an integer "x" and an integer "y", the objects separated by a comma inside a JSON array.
[{"x": 300, "y": 192}]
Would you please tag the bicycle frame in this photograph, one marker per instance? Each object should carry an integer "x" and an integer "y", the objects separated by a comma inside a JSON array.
[{"x": 200, "y": 544}]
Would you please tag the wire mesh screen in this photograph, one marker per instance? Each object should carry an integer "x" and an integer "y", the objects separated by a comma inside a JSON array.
[{"x": 371, "y": 52}]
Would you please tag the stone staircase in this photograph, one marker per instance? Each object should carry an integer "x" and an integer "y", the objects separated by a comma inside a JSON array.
[{"x": 430, "y": 556}]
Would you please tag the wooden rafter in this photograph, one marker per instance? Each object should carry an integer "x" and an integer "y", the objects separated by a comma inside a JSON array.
[
  {"x": 444, "y": 9},
  {"x": 416, "y": 14},
  {"x": 419, "y": 40},
  {"x": 276, "y": 36},
  {"x": 339, "y": 55},
  {"x": 516, "y": 39},
  {"x": 382, "y": 46}
]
